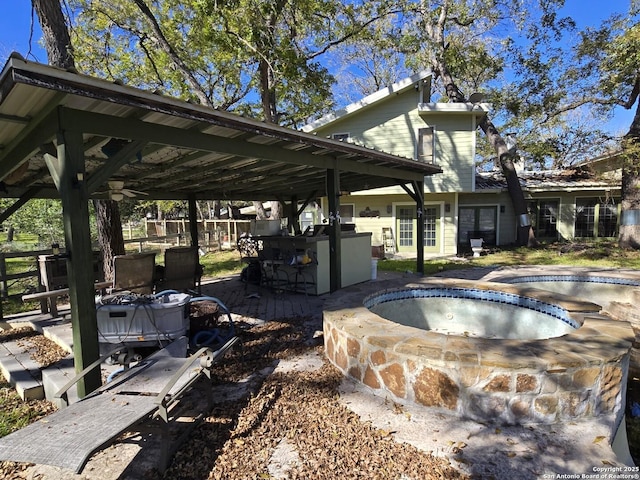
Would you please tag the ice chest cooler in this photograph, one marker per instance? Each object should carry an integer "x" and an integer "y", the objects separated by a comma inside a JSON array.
[{"x": 144, "y": 321}]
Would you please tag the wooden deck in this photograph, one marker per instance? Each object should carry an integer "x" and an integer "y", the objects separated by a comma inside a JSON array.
[{"x": 262, "y": 303}]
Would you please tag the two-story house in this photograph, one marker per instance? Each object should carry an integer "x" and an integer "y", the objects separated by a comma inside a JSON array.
[{"x": 460, "y": 203}]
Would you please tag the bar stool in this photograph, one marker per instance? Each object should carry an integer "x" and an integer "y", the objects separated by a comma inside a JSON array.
[
  {"x": 303, "y": 265},
  {"x": 274, "y": 276}
]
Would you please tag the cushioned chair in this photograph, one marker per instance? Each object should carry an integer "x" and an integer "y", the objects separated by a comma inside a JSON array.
[
  {"x": 182, "y": 270},
  {"x": 134, "y": 273}
]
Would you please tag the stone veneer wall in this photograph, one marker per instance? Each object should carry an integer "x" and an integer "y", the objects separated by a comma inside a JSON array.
[{"x": 582, "y": 374}]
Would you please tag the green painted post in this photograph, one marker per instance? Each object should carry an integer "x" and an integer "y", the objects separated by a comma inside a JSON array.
[
  {"x": 335, "y": 234},
  {"x": 75, "y": 212}
]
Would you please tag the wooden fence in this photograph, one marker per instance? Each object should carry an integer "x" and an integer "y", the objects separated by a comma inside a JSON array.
[{"x": 215, "y": 235}]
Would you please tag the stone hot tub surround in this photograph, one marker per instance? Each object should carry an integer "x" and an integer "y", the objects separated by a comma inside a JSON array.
[{"x": 580, "y": 374}]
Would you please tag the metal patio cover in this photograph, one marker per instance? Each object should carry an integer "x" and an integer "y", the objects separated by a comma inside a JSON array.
[
  {"x": 66, "y": 135},
  {"x": 168, "y": 148}
]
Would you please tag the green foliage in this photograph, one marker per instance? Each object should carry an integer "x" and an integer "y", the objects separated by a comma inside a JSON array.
[
  {"x": 39, "y": 217},
  {"x": 211, "y": 53}
]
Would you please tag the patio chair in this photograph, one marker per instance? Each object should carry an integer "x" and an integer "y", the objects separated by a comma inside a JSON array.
[
  {"x": 134, "y": 272},
  {"x": 182, "y": 270},
  {"x": 249, "y": 249}
]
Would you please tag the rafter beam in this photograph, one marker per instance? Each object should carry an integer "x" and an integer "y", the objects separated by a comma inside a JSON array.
[{"x": 101, "y": 124}]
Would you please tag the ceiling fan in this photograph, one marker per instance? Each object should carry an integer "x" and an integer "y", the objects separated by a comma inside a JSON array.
[{"x": 117, "y": 191}]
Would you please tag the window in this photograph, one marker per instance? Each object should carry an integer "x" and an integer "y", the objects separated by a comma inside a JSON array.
[
  {"x": 430, "y": 226},
  {"x": 425, "y": 145},
  {"x": 343, "y": 137},
  {"x": 477, "y": 222},
  {"x": 596, "y": 217},
  {"x": 406, "y": 217},
  {"x": 544, "y": 216},
  {"x": 347, "y": 213}
]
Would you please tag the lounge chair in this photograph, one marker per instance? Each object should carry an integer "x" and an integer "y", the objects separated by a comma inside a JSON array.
[{"x": 148, "y": 393}]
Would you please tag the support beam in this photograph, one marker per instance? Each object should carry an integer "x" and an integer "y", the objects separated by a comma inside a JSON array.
[
  {"x": 419, "y": 190},
  {"x": 125, "y": 155},
  {"x": 193, "y": 220},
  {"x": 416, "y": 192},
  {"x": 335, "y": 243},
  {"x": 108, "y": 126},
  {"x": 294, "y": 217},
  {"x": 75, "y": 212}
]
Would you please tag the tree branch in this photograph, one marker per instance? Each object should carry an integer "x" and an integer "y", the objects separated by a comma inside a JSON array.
[{"x": 175, "y": 58}]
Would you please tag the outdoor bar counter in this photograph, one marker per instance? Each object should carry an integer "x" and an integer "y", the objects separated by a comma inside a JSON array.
[{"x": 355, "y": 265}]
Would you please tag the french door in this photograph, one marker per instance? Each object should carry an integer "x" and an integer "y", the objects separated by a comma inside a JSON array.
[{"x": 406, "y": 225}]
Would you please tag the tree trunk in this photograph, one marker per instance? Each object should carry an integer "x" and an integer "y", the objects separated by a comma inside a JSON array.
[
  {"x": 217, "y": 206},
  {"x": 261, "y": 214},
  {"x": 57, "y": 42},
  {"x": 60, "y": 54},
  {"x": 440, "y": 68},
  {"x": 629, "y": 236},
  {"x": 276, "y": 210},
  {"x": 108, "y": 216},
  {"x": 525, "y": 234}
]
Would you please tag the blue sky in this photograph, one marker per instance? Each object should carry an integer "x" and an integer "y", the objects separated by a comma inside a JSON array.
[{"x": 15, "y": 27}]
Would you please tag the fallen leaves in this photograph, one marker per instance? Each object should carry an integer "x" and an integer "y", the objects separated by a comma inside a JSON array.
[
  {"x": 304, "y": 407},
  {"x": 43, "y": 351}
]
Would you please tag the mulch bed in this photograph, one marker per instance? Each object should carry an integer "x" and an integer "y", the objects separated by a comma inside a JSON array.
[{"x": 301, "y": 409}]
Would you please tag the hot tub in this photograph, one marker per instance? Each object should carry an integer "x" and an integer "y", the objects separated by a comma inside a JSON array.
[
  {"x": 472, "y": 312},
  {"x": 441, "y": 344},
  {"x": 142, "y": 320}
]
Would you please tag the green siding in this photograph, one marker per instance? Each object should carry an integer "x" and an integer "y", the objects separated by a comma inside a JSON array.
[
  {"x": 383, "y": 203},
  {"x": 455, "y": 143},
  {"x": 392, "y": 126}
]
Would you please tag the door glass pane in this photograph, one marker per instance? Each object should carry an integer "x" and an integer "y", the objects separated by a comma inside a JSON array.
[
  {"x": 406, "y": 216},
  {"x": 608, "y": 219},
  {"x": 479, "y": 222},
  {"x": 548, "y": 219},
  {"x": 466, "y": 222},
  {"x": 486, "y": 218},
  {"x": 430, "y": 224},
  {"x": 544, "y": 216},
  {"x": 585, "y": 217}
]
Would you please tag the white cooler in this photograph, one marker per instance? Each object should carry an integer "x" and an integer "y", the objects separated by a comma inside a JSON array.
[{"x": 144, "y": 320}]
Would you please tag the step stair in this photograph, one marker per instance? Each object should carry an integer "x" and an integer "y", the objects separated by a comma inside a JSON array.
[
  {"x": 22, "y": 372},
  {"x": 25, "y": 374}
]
